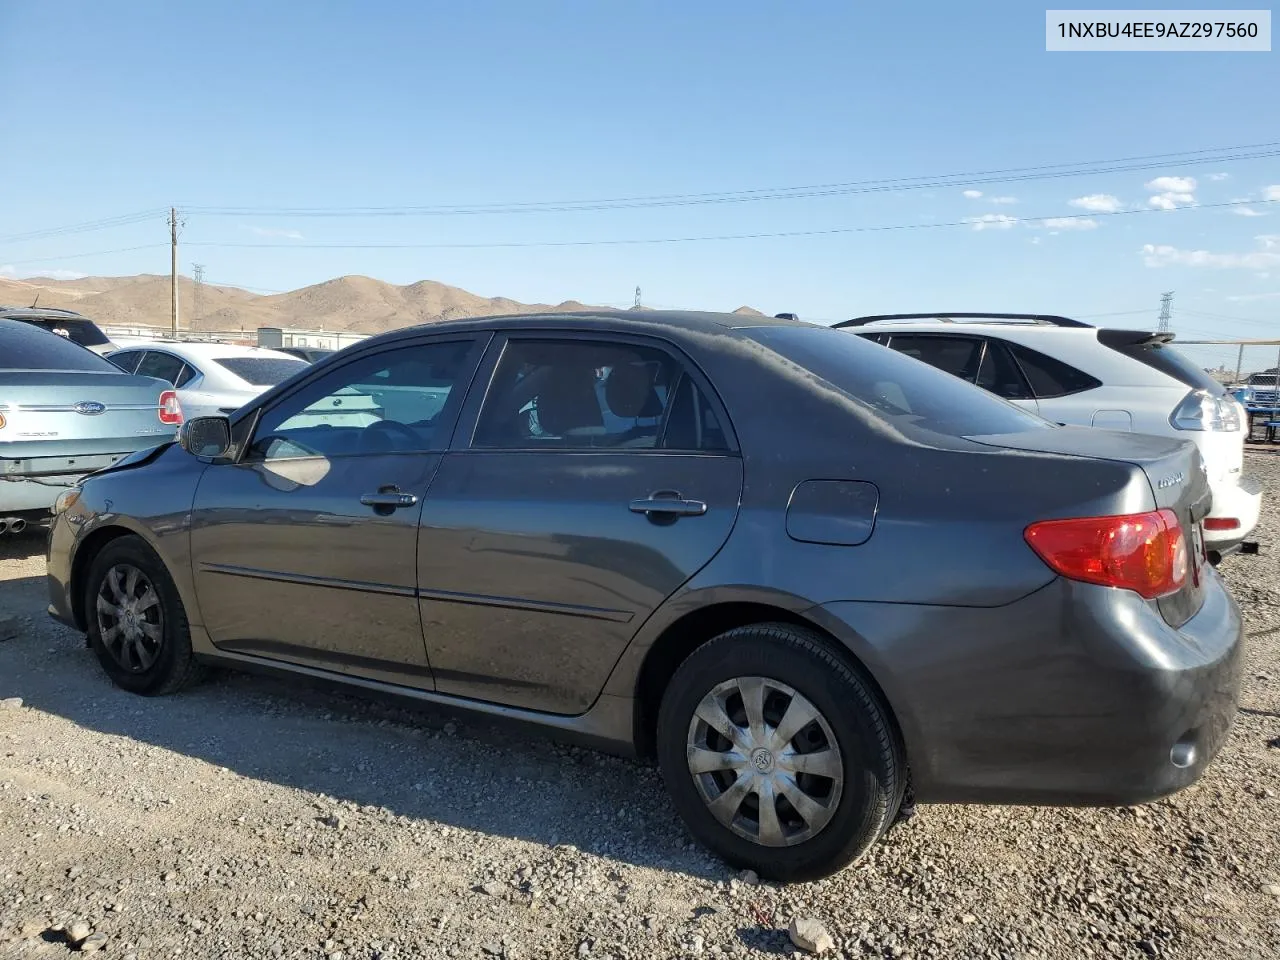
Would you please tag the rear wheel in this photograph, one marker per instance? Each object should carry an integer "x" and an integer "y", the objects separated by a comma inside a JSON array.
[
  {"x": 778, "y": 754},
  {"x": 137, "y": 624}
]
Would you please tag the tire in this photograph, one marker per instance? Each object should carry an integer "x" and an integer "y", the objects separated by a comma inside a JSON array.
[
  {"x": 148, "y": 649},
  {"x": 845, "y": 812}
]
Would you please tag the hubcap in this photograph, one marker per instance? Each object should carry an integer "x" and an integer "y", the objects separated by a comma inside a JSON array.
[
  {"x": 130, "y": 621},
  {"x": 765, "y": 761}
]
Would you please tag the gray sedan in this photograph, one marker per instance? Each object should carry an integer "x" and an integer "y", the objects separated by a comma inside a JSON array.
[{"x": 818, "y": 580}]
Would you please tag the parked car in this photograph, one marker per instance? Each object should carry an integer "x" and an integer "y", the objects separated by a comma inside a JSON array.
[
  {"x": 1073, "y": 373},
  {"x": 65, "y": 323},
  {"x": 211, "y": 378},
  {"x": 823, "y": 580},
  {"x": 309, "y": 354},
  {"x": 64, "y": 412}
]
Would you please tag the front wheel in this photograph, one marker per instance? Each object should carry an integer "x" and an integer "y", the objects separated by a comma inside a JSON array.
[
  {"x": 779, "y": 756},
  {"x": 137, "y": 624}
]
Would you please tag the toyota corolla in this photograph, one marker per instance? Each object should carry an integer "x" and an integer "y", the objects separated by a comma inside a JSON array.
[{"x": 816, "y": 579}]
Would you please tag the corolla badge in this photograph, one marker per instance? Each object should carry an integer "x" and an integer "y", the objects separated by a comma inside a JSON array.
[
  {"x": 1166, "y": 482},
  {"x": 90, "y": 408}
]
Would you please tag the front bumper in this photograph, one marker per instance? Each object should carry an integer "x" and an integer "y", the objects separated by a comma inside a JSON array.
[
  {"x": 1075, "y": 695},
  {"x": 1240, "y": 499},
  {"x": 58, "y": 561}
]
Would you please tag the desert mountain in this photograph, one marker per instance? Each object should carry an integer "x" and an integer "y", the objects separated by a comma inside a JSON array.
[{"x": 352, "y": 303}]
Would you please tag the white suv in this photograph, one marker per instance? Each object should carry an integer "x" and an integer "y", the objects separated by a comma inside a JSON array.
[{"x": 1073, "y": 373}]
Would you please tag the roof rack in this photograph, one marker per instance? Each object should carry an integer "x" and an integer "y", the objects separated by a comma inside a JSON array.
[{"x": 1046, "y": 319}]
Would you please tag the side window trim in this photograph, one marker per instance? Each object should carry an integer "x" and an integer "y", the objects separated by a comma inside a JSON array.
[
  {"x": 247, "y": 425},
  {"x": 483, "y": 381}
]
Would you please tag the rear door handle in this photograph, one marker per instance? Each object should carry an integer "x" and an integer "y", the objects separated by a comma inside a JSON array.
[
  {"x": 668, "y": 503},
  {"x": 388, "y": 499}
]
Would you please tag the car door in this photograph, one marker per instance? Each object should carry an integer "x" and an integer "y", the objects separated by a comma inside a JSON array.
[
  {"x": 591, "y": 479},
  {"x": 305, "y": 548},
  {"x": 985, "y": 362}
]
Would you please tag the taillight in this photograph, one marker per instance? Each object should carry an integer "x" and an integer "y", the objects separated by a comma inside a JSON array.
[
  {"x": 170, "y": 409},
  {"x": 1143, "y": 552},
  {"x": 1201, "y": 410}
]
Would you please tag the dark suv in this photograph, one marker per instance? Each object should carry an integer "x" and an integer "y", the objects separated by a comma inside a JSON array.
[
  {"x": 812, "y": 575},
  {"x": 67, "y": 323}
]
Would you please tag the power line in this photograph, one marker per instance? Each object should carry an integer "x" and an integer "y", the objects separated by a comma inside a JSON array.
[
  {"x": 1007, "y": 175},
  {"x": 967, "y": 222},
  {"x": 88, "y": 253},
  {"x": 122, "y": 220}
]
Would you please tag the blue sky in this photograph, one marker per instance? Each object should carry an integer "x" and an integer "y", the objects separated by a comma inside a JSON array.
[{"x": 111, "y": 112}]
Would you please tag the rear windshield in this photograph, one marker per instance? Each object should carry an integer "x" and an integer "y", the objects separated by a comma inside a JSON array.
[
  {"x": 25, "y": 346},
  {"x": 262, "y": 371},
  {"x": 84, "y": 332},
  {"x": 904, "y": 391},
  {"x": 1162, "y": 357}
]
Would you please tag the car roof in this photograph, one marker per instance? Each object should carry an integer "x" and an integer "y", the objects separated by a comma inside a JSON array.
[
  {"x": 41, "y": 313},
  {"x": 616, "y": 321},
  {"x": 203, "y": 349}
]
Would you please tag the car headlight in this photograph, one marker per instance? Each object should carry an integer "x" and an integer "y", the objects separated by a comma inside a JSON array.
[
  {"x": 66, "y": 500},
  {"x": 1201, "y": 410}
]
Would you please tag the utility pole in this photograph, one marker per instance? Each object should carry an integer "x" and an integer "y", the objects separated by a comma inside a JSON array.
[
  {"x": 1166, "y": 305},
  {"x": 173, "y": 270},
  {"x": 197, "y": 274}
]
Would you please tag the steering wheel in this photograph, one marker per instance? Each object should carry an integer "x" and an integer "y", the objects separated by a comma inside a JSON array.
[{"x": 382, "y": 430}]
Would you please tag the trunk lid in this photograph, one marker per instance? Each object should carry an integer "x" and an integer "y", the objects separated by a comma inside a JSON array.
[
  {"x": 65, "y": 422},
  {"x": 1175, "y": 472}
]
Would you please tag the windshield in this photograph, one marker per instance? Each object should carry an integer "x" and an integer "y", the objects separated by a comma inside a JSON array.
[
  {"x": 25, "y": 346},
  {"x": 904, "y": 391},
  {"x": 262, "y": 371}
]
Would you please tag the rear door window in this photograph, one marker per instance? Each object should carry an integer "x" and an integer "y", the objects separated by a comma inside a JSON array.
[
  {"x": 162, "y": 366},
  {"x": 958, "y": 356},
  {"x": 1049, "y": 377},
  {"x": 1000, "y": 373},
  {"x": 595, "y": 394},
  {"x": 126, "y": 360}
]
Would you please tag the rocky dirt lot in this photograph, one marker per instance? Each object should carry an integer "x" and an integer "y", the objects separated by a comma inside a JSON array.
[{"x": 259, "y": 818}]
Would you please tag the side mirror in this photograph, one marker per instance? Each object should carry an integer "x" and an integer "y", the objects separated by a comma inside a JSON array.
[{"x": 206, "y": 437}]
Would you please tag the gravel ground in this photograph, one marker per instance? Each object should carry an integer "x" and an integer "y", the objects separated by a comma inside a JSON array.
[{"x": 251, "y": 817}]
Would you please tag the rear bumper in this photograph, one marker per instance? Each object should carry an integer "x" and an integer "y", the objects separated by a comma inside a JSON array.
[
  {"x": 1239, "y": 499},
  {"x": 21, "y": 495},
  {"x": 1075, "y": 695}
]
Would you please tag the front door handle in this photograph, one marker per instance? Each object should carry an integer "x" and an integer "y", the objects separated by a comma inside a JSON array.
[
  {"x": 668, "y": 503},
  {"x": 388, "y": 498}
]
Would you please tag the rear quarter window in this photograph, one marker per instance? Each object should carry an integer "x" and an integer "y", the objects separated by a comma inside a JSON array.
[
  {"x": 903, "y": 391},
  {"x": 1050, "y": 377}
]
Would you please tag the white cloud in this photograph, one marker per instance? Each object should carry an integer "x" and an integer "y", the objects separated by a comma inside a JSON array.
[
  {"x": 273, "y": 232},
  {"x": 1097, "y": 203},
  {"x": 1272, "y": 192},
  {"x": 1163, "y": 255},
  {"x": 1172, "y": 185},
  {"x": 1002, "y": 200},
  {"x": 1217, "y": 177},
  {"x": 1069, "y": 223},
  {"x": 1035, "y": 239},
  {"x": 992, "y": 221},
  {"x": 1247, "y": 212},
  {"x": 973, "y": 194},
  {"x": 1253, "y": 297},
  {"x": 9, "y": 270},
  {"x": 1172, "y": 201}
]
